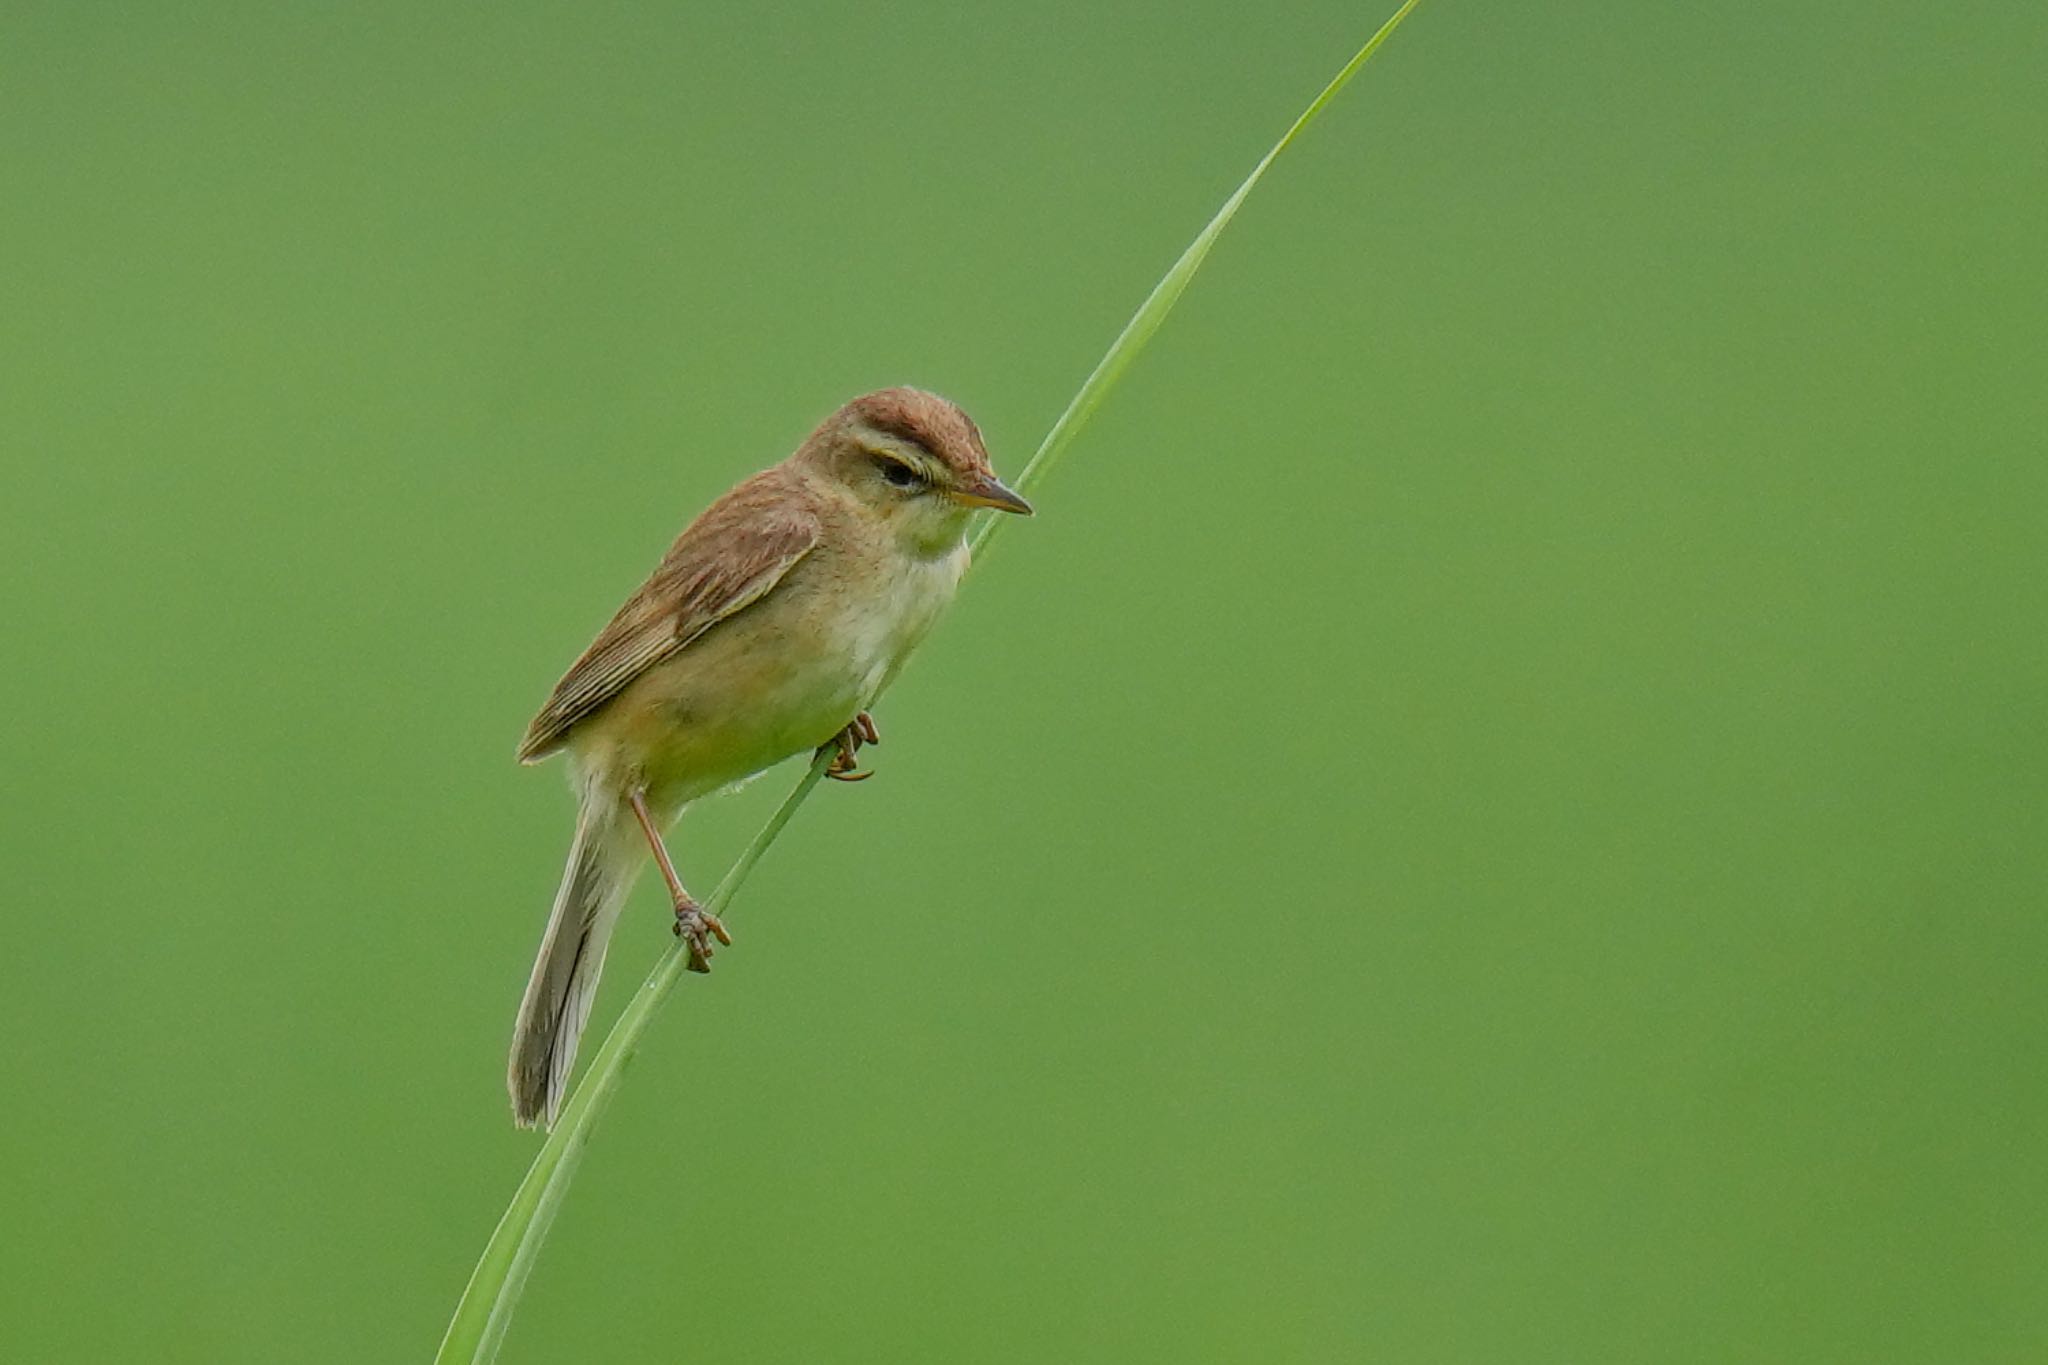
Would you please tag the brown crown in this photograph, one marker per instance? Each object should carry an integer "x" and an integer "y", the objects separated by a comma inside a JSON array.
[{"x": 923, "y": 419}]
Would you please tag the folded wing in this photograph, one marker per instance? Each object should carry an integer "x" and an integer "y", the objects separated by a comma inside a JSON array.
[{"x": 727, "y": 559}]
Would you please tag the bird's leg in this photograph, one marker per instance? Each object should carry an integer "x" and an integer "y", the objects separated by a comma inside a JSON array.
[
  {"x": 845, "y": 764},
  {"x": 693, "y": 925}
]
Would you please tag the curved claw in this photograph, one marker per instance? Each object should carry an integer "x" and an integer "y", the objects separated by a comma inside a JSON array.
[
  {"x": 845, "y": 765},
  {"x": 698, "y": 928}
]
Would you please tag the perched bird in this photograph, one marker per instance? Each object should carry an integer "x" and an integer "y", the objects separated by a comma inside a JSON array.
[{"x": 769, "y": 628}]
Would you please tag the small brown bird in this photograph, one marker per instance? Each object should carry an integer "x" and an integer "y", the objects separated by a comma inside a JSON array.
[{"x": 769, "y": 628}]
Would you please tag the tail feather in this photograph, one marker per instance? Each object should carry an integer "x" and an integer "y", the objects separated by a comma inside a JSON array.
[{"x": 602, "y": 864}]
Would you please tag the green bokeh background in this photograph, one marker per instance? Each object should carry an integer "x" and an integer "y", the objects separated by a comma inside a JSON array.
[{"x": 1496, "y": 815}]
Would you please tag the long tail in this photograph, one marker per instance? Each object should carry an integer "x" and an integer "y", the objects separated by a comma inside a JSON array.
[{"x": 603, "y": 862}]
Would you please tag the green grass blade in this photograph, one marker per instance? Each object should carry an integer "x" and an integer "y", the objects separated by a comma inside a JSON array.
[
  {"x": 485, "y": 1312},
  {"x": 480, "y": 1320},
  {"x": 1167, "y": 292}
]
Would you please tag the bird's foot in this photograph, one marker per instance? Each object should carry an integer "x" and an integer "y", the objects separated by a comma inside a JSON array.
[
  {"x": 698, "y": 928},
  {"x": 845, "y": 765}
]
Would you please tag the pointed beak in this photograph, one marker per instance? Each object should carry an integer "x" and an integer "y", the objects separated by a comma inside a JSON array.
[{"x": 988, "y": 491}]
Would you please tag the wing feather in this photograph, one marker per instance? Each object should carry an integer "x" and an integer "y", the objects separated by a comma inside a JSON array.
[{"x": 726, "y": 560}]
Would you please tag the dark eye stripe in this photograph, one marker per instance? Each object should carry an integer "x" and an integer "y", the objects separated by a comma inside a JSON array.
[{"x": 897, "y": 473}]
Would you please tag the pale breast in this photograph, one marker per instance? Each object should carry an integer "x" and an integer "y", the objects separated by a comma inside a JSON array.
[
  {"x": 778, "y": 679},
  {"x": 877, "y": 638}
]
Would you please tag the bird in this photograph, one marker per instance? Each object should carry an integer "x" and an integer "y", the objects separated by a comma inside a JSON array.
[{"x": 769, "y": 629}]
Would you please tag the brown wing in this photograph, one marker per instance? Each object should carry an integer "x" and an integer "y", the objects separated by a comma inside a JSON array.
[{"x": 727, "y": 559}]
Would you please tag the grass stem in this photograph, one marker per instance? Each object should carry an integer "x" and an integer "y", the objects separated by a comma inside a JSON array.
[{"x": 485, "y": 1311}]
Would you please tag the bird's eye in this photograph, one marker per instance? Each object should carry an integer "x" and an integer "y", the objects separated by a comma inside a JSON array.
[{"x": 899, "y": 474}]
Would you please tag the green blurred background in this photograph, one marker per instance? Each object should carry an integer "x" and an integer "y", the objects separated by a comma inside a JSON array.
[{"x": 1496, "y": 815}]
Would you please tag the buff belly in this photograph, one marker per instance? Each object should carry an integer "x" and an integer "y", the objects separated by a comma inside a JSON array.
[{"x": 779, "y": 679}]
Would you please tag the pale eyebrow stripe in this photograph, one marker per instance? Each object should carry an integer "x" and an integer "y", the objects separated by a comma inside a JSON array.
[{"x": 896, "y": 446}]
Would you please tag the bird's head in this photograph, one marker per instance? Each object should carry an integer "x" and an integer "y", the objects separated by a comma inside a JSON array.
[{"x": 913, "y": 459}]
